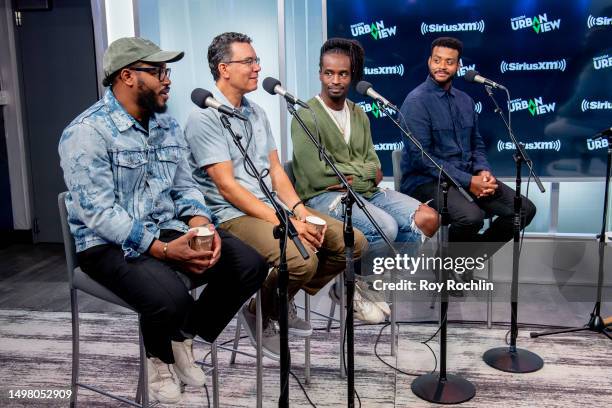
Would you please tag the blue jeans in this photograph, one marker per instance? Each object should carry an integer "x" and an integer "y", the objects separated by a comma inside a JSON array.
[{"x": 393, "y": 211}]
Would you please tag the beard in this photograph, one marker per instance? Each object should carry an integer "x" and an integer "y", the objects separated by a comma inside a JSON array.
[
  {"x": 443, "y": 83},
  {"x": 147, "y": 99}
]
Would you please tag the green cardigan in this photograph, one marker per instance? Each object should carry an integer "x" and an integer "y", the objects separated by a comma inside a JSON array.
[{"x": 357, "y": 158}]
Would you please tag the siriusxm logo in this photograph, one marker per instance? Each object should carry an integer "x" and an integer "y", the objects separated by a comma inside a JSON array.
[
  {"x": 550, "y": 145},
  {"x": 389, "y": 146},
  {"x": 464, "y": 68},
  {"x": 598, "y": 21},
  {"x": 377, "y": 30},
  {"x": 595, "y": 105},
  {"x": 533, "y": 66},
  {"x": 374, "y": 109},
  {"x": 596, "y": 144},
  {"x": 535, "y": 106},
  {"x": 391, "y": 70},
  {"x": 478, "y": 107},
  {"x": 603, "y": 61},
  {"x": 539, "y": 23},
  {"x": 444, "y": 28}
]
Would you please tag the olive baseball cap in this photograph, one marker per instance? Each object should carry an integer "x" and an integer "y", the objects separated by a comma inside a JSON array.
[{"x": 127, "y": 50}]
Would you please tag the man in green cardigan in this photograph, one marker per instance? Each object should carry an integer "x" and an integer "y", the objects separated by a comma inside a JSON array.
[{"x": 345, "y": 133}]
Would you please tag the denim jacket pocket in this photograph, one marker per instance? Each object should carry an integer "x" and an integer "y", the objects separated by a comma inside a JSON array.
[
  {"x": 169, "y": 153},
  {"x": 168, "y": 158},
  {"x": 130, "y": 167}
]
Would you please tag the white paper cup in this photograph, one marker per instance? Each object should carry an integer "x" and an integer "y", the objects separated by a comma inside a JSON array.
[
  {"x": 319, "y": 223},
  {"x": 202, "y": 241}
]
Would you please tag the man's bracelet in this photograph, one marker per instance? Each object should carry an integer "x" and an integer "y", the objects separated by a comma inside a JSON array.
[
  {"x": 165, "y": 250},
  {"x": 295, "y": 205}
]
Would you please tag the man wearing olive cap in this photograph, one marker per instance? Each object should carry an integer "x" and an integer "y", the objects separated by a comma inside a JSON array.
[{"x": 131, "y": 201}]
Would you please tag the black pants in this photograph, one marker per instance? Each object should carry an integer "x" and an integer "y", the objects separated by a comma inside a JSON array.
[
  {"x": 158, "y": 290},
  {"x": 468, "y": 218}
]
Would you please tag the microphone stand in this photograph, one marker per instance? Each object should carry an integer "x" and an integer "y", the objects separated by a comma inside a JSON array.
[
  {"x": 596, "y": 323},
  {"x": 284, "y": 230},
  {"x": 512, "y": 359},
  {"x": 348, "y": 200},
  {"x": 442, "y": 388}
]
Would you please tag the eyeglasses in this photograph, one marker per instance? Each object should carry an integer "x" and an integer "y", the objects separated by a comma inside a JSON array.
[
  {"x": 247, "y": 61},
  {"x": 161, "y": 73}
]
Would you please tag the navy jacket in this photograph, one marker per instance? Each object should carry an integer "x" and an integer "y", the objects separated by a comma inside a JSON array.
[{"x": 446, "y": 125}]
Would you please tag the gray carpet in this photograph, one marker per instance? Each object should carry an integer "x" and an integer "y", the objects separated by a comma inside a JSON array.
[{"x": 35, "y": 350}]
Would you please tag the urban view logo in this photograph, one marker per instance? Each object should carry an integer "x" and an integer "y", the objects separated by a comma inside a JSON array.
[
  {"x": 595, "y": 105},
  {"x": 539, "y": 23},
  {"x": 389, "y": 146},
  {"x": 464, "y": 68},
  {"x": 533, "y": 66},
  {"x": 535, "y": 106},
  {"x": 377, "y": 30},
  {"x": 598, "y": 21},
  {"x": 444, "y": 28},
  {"x": 374, "y": 109},
  {"x": 551, "y": 145},
  {"x": 596, "y": 144},
  {"x": 390, "y": 70},
  {"x": 602, "y": 62}
]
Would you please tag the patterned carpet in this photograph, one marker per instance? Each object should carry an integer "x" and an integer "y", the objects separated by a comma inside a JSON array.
[{"x": 35, "y": 350}]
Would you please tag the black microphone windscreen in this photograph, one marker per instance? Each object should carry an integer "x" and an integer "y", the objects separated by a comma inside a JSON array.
[
  {"x": 269, "y": 84},
  {"x": 470, "y": 75},
  {"x": 199, "y": 95},
  {"x": 362, "y": 87}
]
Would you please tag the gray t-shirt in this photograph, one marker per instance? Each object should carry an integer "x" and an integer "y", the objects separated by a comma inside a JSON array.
[{"x": 211, "y": 143}]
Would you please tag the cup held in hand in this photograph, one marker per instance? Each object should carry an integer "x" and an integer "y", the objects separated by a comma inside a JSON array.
[
  {"x": 317, "y": 222},
  {"x": 202, "y": 241}
]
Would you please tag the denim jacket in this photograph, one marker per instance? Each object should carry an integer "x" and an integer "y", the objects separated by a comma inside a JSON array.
[
  {"x": 446, "y": 125},
  {"x": 124, "y": 183}
]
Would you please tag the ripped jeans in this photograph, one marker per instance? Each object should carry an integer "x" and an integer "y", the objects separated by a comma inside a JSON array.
[{"x": 393, "y": 211}]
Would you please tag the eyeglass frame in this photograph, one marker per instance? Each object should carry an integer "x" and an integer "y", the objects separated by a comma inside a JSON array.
[
  {"x": 247, "y": 61},
  {"x": 159, "y": 71}
]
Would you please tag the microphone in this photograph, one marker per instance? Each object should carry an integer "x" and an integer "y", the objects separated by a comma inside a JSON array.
[
  {"x": 474, "y": 76},
  {"x": 204, "y": 99},
  {"x": 605, "y": 132},
  {"x": 365, "y": 88},
  {"x": 273, "y": 86}
]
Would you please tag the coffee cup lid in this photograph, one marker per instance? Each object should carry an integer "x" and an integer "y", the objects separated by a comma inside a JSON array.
[
  {"x": 313, "y": 219},
  {"x": 202, "y": 231}
]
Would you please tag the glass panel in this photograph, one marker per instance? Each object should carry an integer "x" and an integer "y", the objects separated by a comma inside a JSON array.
[
  {"x": 580, "y": 207},
  {"x": 190, "y": 26}
]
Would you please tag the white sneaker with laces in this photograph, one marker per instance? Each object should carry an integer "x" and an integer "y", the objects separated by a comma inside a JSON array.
[
  {"x": 184, "y": 364},
  {"x": 162, "y": 386},
  {"x": 374, "y": 296},
  {"x": 365, "y": 310}
]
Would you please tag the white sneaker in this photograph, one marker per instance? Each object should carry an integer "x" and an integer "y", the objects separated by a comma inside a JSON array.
[
  {"x": 184, "y": 364},
  {"x": 374, "y": 296},
  {"x": 162, "y": 386},
  {"x": 365, "y": 310}
]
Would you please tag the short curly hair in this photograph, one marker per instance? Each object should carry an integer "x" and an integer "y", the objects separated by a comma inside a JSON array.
[
  {"x": 351, "y": 49},
  {"x": 219, "y": 50},
  {"x": 448, "y": 42}
]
